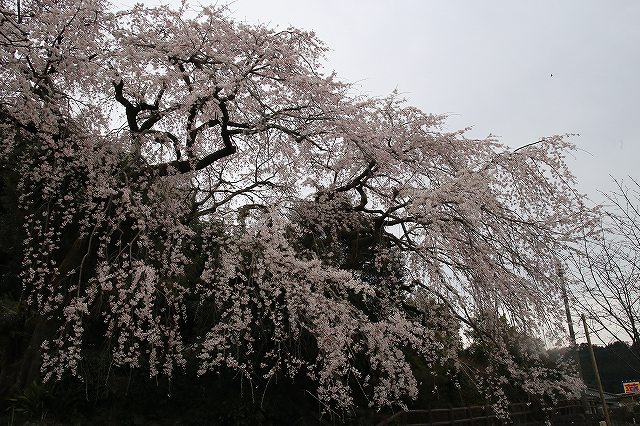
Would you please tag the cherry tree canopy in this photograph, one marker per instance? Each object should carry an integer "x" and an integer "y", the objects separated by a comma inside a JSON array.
[{"x": 178, "y": 170}]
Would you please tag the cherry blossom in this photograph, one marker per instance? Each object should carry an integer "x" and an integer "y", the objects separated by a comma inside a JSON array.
[{"x": 184, "y": 173}]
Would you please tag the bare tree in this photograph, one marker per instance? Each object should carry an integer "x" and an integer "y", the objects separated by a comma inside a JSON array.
[{"x": 608, "y": 287}]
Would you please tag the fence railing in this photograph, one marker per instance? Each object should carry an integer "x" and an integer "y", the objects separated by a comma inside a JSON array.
[{"x": 519, "y": 414}]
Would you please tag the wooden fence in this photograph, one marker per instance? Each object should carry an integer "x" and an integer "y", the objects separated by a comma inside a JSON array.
[{"x": 567, "y": 412}]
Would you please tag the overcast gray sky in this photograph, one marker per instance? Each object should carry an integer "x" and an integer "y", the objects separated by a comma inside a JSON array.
[{"x": 519, "y": 70}]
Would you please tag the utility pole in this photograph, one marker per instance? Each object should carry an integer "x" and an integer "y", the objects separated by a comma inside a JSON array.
[
  {"x": 597, "y": 373},
  {"x": 565, "y": 299},
  {"x": 567, "y": 310},
  {"x": 573, "y": 348}
]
